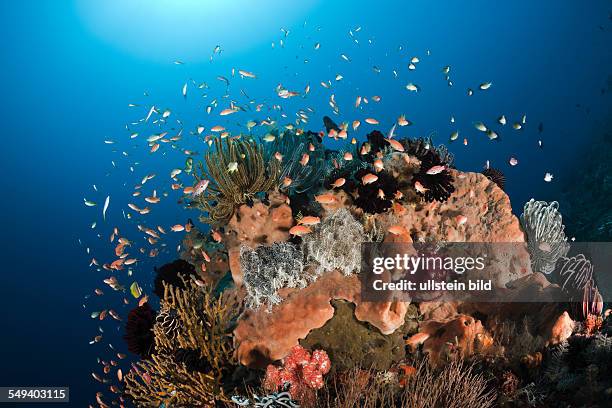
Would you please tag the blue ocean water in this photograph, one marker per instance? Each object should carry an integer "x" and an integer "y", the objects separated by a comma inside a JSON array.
[{"x": 70, "y": 69}]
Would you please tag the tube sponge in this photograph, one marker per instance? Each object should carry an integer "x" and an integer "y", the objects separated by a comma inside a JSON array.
[{"x": 546, "y": 240}]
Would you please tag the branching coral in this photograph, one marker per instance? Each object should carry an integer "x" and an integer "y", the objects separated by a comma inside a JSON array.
[
  {"x": 546, "y": 240},
  {"x": 335, "y": 243},
  {"x": 139, "y": 330},
  {"x": 237, "y": 170},
  {"x": 290, "y": 148},
  {"x": 193, "y": 376},
  {"x": 267, "y": 269},
  {"x": 433, "y": 181}
]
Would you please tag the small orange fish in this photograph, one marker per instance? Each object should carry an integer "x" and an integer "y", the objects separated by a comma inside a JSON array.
[
  {"x": 278, "y": 156},
  {"x": 348, "y": 156},
  {"x": 286, "y": 182},
  {"x": 305, "y": 159},
  {"x": 395, "y": 145},
  {"x": 299, "y": 230},
  {"x": 326, "y": 198},
  {"x": 378, "y": 165},
  {"x": 372, "y": 121},
  {"x": 216, "y": 236},
  {"x": 342, "y": 134},
  {"x": 436, "y": 170},
  {"x": 381, "y": 194},
  {"x": 309, "y": 220},
  {"x": 227, "y": 111},
  {"x": 402, "y": 121},
  {"x": 356, "y": 124},
  {"x": 369, "y": 178},
  {"x": 420, "y": 188},
  {"x": 217, "y": 128},
  {"x": 338, "y": 183},
  {"x": 177, "y": 228}
]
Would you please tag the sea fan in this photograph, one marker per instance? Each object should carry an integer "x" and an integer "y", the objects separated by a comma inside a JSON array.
[
  {"x": 139, "y": 330},
  {"x": 543, "y": 224},
  {"x": 370, "y": 198},
  {"x": 496, "y": 176},
  {"x": 335, "y": 243},
  {"x": 171, "y": 273},
  {"x": 267, "y": 269},
  {"x": 437, "y": 187}
]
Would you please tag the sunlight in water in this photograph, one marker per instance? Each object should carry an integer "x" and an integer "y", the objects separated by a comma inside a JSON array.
[{"x": 173, "y": 29}]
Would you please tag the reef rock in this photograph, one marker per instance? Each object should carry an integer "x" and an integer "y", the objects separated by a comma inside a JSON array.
[
  {"x": 262, "y": 336},
  {"x": 351, "y": 343}
]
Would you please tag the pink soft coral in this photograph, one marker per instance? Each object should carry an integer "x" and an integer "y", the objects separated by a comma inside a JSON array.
[{"x": 301, "y": 370}]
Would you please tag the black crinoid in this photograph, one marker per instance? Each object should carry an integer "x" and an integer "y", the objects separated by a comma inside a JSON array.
[
  {"x": 422, "y": 146},
  {"x": 437, "y": 185},
  {"x": 171, "y": 274},
  {"x": 375, "y": 197},
  {"x": 139, "y": 330},
  {"x": 377, "y": 144},
  {"x": 496, "y": 176}
]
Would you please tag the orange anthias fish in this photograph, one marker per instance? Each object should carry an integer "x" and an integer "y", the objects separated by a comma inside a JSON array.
[
  {"x": 299, "y": 230},
  {"x": 309, "y": 220},
  {"x": 338, "y": 183},
  {"x": 395, "y": 145},
  {"x": 420, "y": 188},
  {"x": 326, "y": 198},
  {"x": 369, "y": 178}
]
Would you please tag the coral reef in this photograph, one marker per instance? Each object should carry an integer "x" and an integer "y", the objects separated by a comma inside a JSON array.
[
  {"x": 279, "y": 273},
  {"x": 547, "y": 242}
]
